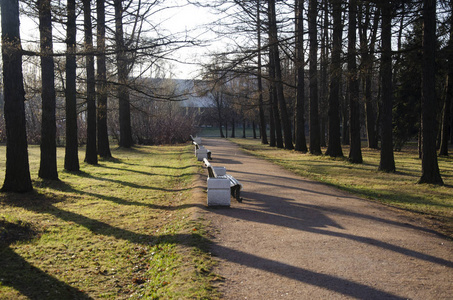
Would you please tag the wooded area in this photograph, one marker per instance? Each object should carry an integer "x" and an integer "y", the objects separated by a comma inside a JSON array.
[{"x": 340, "y": 71}]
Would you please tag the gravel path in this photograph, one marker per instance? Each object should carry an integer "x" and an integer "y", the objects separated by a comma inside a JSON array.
[{"x": 293, "y": 238}]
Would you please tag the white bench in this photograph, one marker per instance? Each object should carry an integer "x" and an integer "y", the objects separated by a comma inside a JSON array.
[
  {"x": 221, "y": 186},
  {"x": 200, "y": 151}
]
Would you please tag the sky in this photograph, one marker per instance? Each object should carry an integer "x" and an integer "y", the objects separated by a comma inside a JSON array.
[
  {"x": 194, "y": 21},
  {"x": 187, "y": 20}
]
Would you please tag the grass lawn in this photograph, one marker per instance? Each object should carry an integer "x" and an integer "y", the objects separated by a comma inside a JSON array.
[
  {"x": 396, "y": 189},
  {"x": 122, "y": 229}
]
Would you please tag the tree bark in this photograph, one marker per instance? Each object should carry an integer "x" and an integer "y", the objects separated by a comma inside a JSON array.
[
  {"x": 233, "y": 128},
  {"x": 91, "y": 155},
  {"x": 17, "y": 176},
  {"x": 254, "y": 129},
  {"x": 367, "y": 49},
  {"x": 272, "y": 130},
  {"x": 324, "y": 62},
  {"x": 387, "y": 162},
  {"x": 48, "y": 162},
  {"x": 71, "y": 162},
  {"x": 102, "y": 130},
  {"x": 278, "y": 82},
  {"x": 300, "y": 139},
  {"x": 274, "y": 101},
  {"x": 446, "y": 117},
  {"x": 315, "y": 141},
  {"x": 355, "y": 153},
  {"x": 430, "y": 167},
  {"x": 263, "y": 131},
  {"x": 334, "y": 143},
  {"x": 123, "y": 73}
]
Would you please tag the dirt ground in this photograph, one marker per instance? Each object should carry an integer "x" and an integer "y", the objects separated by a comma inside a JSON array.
[{"x": 292, "y": 238}]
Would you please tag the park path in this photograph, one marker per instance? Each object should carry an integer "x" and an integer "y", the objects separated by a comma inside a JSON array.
[{"x": 293, "y": 238}]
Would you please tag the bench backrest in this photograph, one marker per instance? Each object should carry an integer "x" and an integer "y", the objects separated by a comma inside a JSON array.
[{"x": 211, "y": 171}]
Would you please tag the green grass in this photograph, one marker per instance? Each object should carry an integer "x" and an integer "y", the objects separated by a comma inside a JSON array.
[
  {"x": 122, "y": 229},
  {"x": 396, "y": 189}
]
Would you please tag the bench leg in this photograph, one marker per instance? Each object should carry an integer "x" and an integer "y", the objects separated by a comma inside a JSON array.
[{"x": 237, "y": 194}]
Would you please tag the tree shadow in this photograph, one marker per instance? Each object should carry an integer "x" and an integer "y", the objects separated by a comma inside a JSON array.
[
  {"x": 20, "y": 275},
  {"x": 65, "y": 187},
  {"x": 47, "y": 284},
  {"x": 284, "y": 212},
  {"x": 132, "y": 185}
]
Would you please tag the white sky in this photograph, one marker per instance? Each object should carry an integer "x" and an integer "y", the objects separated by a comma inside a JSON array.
[{"x": 177, "y": 20}]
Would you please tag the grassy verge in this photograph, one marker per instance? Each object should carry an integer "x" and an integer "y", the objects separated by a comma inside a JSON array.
[
  {"x": 398, "y": 189},
  {"x": 119, "y": 230}
]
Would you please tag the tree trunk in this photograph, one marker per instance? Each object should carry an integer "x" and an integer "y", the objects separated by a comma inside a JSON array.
[
  {"x": 254, "y": 129},
  {"x": 71, "y": 162},
  {"x": 334, "y": 144},
  {"x": 278, "y": 82},
  {"x": 387, "y": 162},
  {"x": 48, "y": 163},
  {"x": 315, "y": 141},
  {"x": 274, "y": 102},
  {"x": 300, "y": 139},
  {"x": 233, "y": 128},
  {"x": 263, "y": 131},
  {"x": 102, "y": 131},
  {"x": 123, "y": 73},
  {"x": 221, "y": 130},
  {"x": 355, "y": 154},
  {"x": 324, "y": 67},
  {"x": 272, "y": 130},
  {"x": 91, "y": 155},
  {"x": 446, "y": 117},
  {"x": 17, "y": 176},
  {"x": 243, "y": 128},
  {"x": 430, "y": 167},
  {"x": 218, "y": 99},
  {"x": 367, "y": 49}
]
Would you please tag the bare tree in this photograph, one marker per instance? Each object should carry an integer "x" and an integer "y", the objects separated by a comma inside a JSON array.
[
  {"x": 355, "y": 153},
  {"x": 17, "y": 177},
  {"x": 334, "y": 143},
  {"x": 368, "y": 28},
  {"x": 300, "y": 140},
  {"x": 123, "y": 72},
  {"x": 447, "y": 108},
  {"x": 91, "y": 155},
  {"x": 315, "y": 141},
  {"x": 387, "y": 162},
  {"x": 430, "y": 167},
  {"x": 101, "y": 87},
  {"x": 277, "y": 80},
  {"x": 263, "y": 130},
  {"x": 71, "y": 162},
  {"x": 48, "y": 163}
]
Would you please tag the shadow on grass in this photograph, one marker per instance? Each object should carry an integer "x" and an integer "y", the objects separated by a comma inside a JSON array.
[
  {"x": 134, "y": 185},
  {"x": 150, "y": 167},
  {"x": 45, "y": 284},
  {"x": 65, "y": 187},
  {"x": 29, "y": 280}
]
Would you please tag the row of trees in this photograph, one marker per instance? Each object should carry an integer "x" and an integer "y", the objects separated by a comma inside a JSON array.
[
  {"x": 341, "y": 65},
  {"x": 346, "y": 65},
  {"x": 83, "y": 75}
]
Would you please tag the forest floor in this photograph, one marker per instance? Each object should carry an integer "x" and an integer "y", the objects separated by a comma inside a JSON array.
[{"x": 293, "y": 238}]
